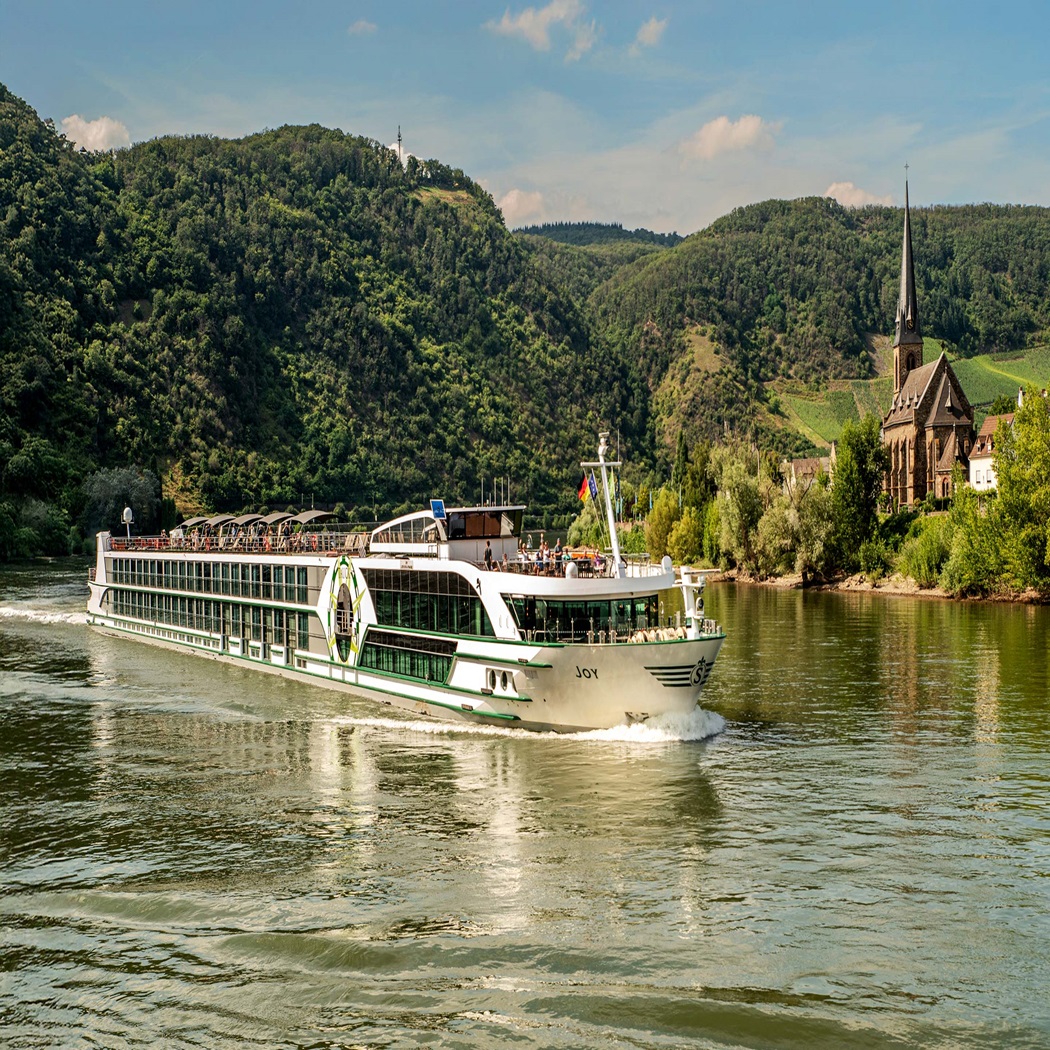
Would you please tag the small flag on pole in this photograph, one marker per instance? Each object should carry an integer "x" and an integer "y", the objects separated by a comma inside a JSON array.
[
  {"x": 594, "y": 487},
  {"x": 584, "y": 490}
]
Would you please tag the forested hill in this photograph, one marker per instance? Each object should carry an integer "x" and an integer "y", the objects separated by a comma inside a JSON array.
[
  {"x": 289, "y": 314},
  {"x": 797, "y": 288},
  {"x": 294, "y": 314}
]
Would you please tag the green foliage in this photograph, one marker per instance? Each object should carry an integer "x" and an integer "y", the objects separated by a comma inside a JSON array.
[
  {"x": 632, "y": 540},
  {"x": 586, "y": 529},
  {"x": 793, "y": 289},
  {"x": 712, "y": 534},
  {"x": 876, "y": 558},
  {"x": 590, "y": 233},
  {"x": 740, "y": 505},
  {"x": 776, "y": 538},
  {"x": 661, "y": 522},
  {"x": 974, "y": 564},
  {"x": 108, "y": 492},
  {"x": 924, "y": 551},
  {"x": 685, "y": 544},
  {"x": 1022, "y": 509},
  {"x": 814, "y": 529},
  {"x": 856, "y": 486},
  {"x": 289, "y": 314}
]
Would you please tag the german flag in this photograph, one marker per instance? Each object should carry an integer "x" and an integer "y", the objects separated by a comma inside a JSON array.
[{"x": 585, "y": 489}]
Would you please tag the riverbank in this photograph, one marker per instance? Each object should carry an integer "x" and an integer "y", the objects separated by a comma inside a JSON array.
[{"x": 895, "y": 585}]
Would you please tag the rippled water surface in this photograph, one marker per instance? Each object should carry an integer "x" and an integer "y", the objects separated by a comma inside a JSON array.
[{"x": 195, "y": 855}]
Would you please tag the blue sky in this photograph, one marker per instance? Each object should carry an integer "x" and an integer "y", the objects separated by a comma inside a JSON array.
[{"x": 663, "y": 115}]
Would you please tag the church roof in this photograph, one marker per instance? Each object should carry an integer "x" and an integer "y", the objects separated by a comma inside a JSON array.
[
  {"x": 950, "y": 453},
  {"x": 948, "y": 406},
  {"x": 907, "y": 322},
  {"x": 910, "y": 395}
]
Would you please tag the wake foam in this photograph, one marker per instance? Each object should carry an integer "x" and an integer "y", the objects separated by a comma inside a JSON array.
[
  {"x": 696, "y": 725},
  {"x": 21, "y": 612}
]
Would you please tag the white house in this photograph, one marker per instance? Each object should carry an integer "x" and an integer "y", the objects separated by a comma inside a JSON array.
[{"x": 982, "y": 466}]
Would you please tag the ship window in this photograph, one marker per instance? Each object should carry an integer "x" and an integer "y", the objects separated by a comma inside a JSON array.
[
  {"x": 443, "y": 602},
  {"x": 550, "y": 620},
  {"x": 408, "y": 656},
  {"x": 344, "y": 614}
]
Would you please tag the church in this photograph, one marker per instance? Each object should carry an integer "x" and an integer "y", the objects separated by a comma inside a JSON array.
[{"x": 929, "y": 427}]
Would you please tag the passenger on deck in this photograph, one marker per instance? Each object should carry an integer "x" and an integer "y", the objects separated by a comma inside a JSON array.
[{"x": 488, "y": 554}]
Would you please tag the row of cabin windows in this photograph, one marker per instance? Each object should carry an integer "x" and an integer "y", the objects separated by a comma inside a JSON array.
[
  {"x": 443, "y": 613},
  {"x": 265, "y": 582},
  {"x": 250, "y": 623},
  {"x": 548, "y": 619},
  {"x": 427, "y": 660}
]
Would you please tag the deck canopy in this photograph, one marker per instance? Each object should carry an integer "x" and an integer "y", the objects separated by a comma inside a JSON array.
[
  {"x": 246, "y": 519},
  {"x": 276, "y": 517},
  {"x": 308, "y": 517},
  {"x": 219, "y": 520},
  {"x": 192, "y": 523}
]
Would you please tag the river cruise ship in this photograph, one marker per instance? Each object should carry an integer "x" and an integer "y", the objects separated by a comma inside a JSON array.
[{"x": 440, "y": 612}]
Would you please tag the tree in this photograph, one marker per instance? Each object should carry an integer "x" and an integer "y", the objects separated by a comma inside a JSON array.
[
  {"x": 662, "y": 519},
  {"x": 740, "y": 505},
  {"x": 686, "y": 541},
  {"x": 860, "y": 464},
  {"x": 108, "y": 492},
  {"x": 1022, "y": 469}
]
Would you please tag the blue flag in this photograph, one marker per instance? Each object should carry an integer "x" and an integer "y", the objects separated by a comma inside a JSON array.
[{"x": 593, "y": 486}]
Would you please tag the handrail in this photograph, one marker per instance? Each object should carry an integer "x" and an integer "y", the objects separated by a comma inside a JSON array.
[{"x": 306, "y": 541}]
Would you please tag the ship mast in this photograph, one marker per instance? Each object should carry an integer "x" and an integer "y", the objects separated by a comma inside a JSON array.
[{"x": 618, "y": 568}]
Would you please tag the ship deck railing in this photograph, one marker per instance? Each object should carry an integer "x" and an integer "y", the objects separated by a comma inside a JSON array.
[
  {"x": 332, "y": 540},
  {"x": 668, "y": 629},
  {"x": 587, "y": 566},
  {"x": 325, "y": 540}
]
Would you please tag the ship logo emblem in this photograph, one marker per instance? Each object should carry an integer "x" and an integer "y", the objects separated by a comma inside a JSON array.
[{"x": 700, "y": 672}]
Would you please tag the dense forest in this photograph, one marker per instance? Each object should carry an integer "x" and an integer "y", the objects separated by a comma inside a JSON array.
[
  {"x": 296, "y": 315},
  {"x": 591, "y": 233},
  {"x": 291, "y": 315}
]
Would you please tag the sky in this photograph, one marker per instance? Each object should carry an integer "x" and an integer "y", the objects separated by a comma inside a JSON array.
[{"x": 662, "y": 115}]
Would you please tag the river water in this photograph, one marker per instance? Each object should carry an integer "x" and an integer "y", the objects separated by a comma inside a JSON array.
[{"x": 857, "y": 854}]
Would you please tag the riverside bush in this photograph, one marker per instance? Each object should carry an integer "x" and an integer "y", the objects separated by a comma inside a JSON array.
[{"x": 924, "y": 552}]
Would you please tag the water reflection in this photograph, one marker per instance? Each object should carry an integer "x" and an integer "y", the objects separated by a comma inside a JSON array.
[{"x": 861, "y": 858}]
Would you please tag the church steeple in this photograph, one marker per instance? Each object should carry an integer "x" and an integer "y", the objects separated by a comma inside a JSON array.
[{"x": 907, "y": 340}]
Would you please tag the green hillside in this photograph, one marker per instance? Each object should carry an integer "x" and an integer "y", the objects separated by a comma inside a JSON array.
[
  {"x": 793, "y": 289},
  {"x": 295, "y": 315},
  {"x": 290, "y": 314}
]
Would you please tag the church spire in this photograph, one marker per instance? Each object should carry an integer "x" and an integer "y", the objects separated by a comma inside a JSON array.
[
  {"x": 907, "y": 340},
  {"x": 907, "y": 304}
]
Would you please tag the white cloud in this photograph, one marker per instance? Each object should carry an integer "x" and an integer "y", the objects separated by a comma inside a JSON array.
[
  {"x": 723, "y": 135},
  {"x": 851, "y": 196},
  {"x": 650, "y": 32},
  {"x": 362, "y": 27},
  {"x": 518, "y": 206},
  {"x": 102, "y": 134},
  {"x": 405, "y": 152},
  {"x": 586, "y": 35},
  {"x": 533, "y": 25}
]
